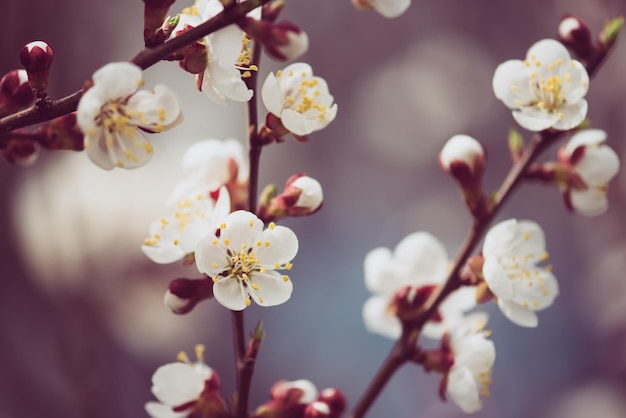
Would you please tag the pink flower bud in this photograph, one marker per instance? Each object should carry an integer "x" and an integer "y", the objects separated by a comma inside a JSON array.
[
  {"x": 36, "y": 57},
  {"x": 317, "y": 410},
  {"x": 461, "y": 154},
  {"x": 335, "y": 400},
  {"x": 575, "y": 34},
  {"x": 183, "y": 295},
  {"x": 302, "y": 196},
  {"x": 21, "y": 151},
  {"x": 15, "y": 93}
]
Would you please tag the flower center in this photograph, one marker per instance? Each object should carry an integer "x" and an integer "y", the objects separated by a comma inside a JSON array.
[
  {"x": 245, "y": 58},
  {"x": 304, "y": 99}
]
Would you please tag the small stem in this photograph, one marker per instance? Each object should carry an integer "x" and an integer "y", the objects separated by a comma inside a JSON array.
[
  {"x": 144, "y": 59},
  {"x": 253, "y": 125},
  {"x": 237, "y": 322}
]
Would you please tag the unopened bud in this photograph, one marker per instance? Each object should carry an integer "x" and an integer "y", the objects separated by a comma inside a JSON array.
[
  {"x": 335, "y": 400},
  {"x": 302, "y": 196},
  {"x": 15, "y": 92},
  {"x": 464, "y": 158},
  {"x": 408, "y": 302},
  {"x": 288, "y": 399},
  {"x": 317, "y": 410},
  {"x": 183, "y": 295},
  {"x": 462, "y": 155},
  {"x": 282, "y": 40},
  {"x": 20, "y": 151},
  {"x": 576, "y": 35},
  {"x": 36, "y": 57}
]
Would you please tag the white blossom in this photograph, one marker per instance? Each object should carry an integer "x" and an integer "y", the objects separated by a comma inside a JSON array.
[
  {"x": 174, "y": 237},
  {"x": 227, "y": 54},
  {"x": 418, "y": 260},
  {"x": 311, "y": 195},
  {"x": 595, "y": 164},
  {"x": 546, "y": 90},
  {"x": 110, "y": 113},
  {"x": 512, "y": 251},
  {"x": 301, "y": 100},
  {"x": 208, "y": 165},
  {"x": 242, "y": 260},
  {"x": 178, "y": 387},
  {"x": 474, "y": 355}
]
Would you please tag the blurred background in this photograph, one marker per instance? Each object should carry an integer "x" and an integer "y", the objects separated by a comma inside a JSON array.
[{"x": 82, "y": 325}]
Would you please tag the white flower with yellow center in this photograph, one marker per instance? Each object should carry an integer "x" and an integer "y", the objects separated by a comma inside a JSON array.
[
  {"x": 174, "y": 237},
  {"x": 512, "y": 250},
  {"x": 418, "y": 260},
  {"x": 469, "y": 377},
  {"x": 242, "y": 259},
  {"x": 595, "y": 164},
  {"x": 546, "y": 90},
  {"x": 112, "y": 111},
  {"x": 301, "y": 100},
  {"x": 227, "y": 51}
]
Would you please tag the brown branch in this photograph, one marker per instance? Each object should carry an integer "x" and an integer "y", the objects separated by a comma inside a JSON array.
[{"x": 144, "y": 59}]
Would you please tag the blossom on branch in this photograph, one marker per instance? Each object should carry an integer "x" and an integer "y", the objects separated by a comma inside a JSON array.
[
  {"x": 227, "y": 54},
  {"x": 186, "y": 389},
  {"x": 593, "y": 165},
  {"x": 387, "y": 8},
  {"x": 418, "y": 261},
  {"x": 174, "y": 237},
  {"x": 474, "y": 355},
  {"x": 546, "y": 90},
  {"x": 241, "y": 258},
  {"x": 210, "y": 164},
  {"x": 300, "y": 101},
  {"x": 111, "y": 113},
  {"x": 512, "y": 251}
]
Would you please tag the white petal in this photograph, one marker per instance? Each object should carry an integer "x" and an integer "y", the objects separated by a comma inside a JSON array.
[
  {"x": 155, "y": 108},
  {"x": 211, "y": 259},
  {"x": 295, "y": 122},
  {"x": 598, "y": 165},
  {"x": 378, "y": 320},
  {"x": 227, "y": 80},
  {"x": 425, "y": 258},
  {"x": 177, "y": 383},
  {"x": 88, "y": 109},
  {"x": 497, "y": 241},
  {"x": 380, "y": 275},
  {"x": 158, "y": 410},
  {"x": 228, "y": 293},
  {"x": 476, "y": 353},
  {"x": 242, "y": 228},
  {"x": 537, "y": 290},
  {"x": 163, "y": 254},
  {"x": 272, "y": 95},
  {"x": 518, "y": 314},
  {"x": 208, "y": 87},
  {"x": 578, "y": 85},
  {"x": 463, "y": 389},
  {"x": 97, "y": 152},
  {"x": 225, "y": 45},
  {"x": 391, "y": 8},
  {"x": 194, "y": 232},
  {"x": 590, "y": 202},
  {"x": 584, "y": 138},
  {"x": 535, "y": 119},
  {"x": 118, "y": 79},
  {"x": 528, "y": 242},
  {"x": 497, "y": 278},
  {"x": 282, "y": 249},
  {"x": 548, "y": 51},
  {"x": 510, "y": 84},
  {"x": 573, "y": 115},
  {"x": 272, "y": 288}
]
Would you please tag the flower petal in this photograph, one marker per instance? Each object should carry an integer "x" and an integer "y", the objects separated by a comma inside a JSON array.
[
  {"x": 378, "y": 320},
  {"x": 598, "y": 165},
  {"x": 272, "y": 96},
  {"x": 573, "y": 115},
  {"x": 156, "y": 110},
  {"x": 211, "y": 257},
  {"x": 499, "y": 237},
  {"x": 518, "y": 314},
  {"x": 380, "y": 274},
  {"x": 528, "y": 243},
  {"x": 463, "y": 389},
  {"x": 241, "y": 228},
  {"x": 511, "y": 83},
  {"x": 227, "y": 292},
  {"x": 158, "y": 410},
  {"x": 536, "y": 290},
  {"x": 177, "y": 383},
  {"x": 282, "y": 248},
  {"x": 118, "y": 80},
  {"x": 497, "y": 278},
  {"x": 548, "y": 51},
  {"x": 587, "y": 137},
  {"x": 425, "y": 258},
  {"x": 534, "y": 119},
  {"x": 295, "y": 122},
  {"x": 590, "y": 202},
  {"x": 273, "y": 289},
  {"x": 391, "y": 8}
]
